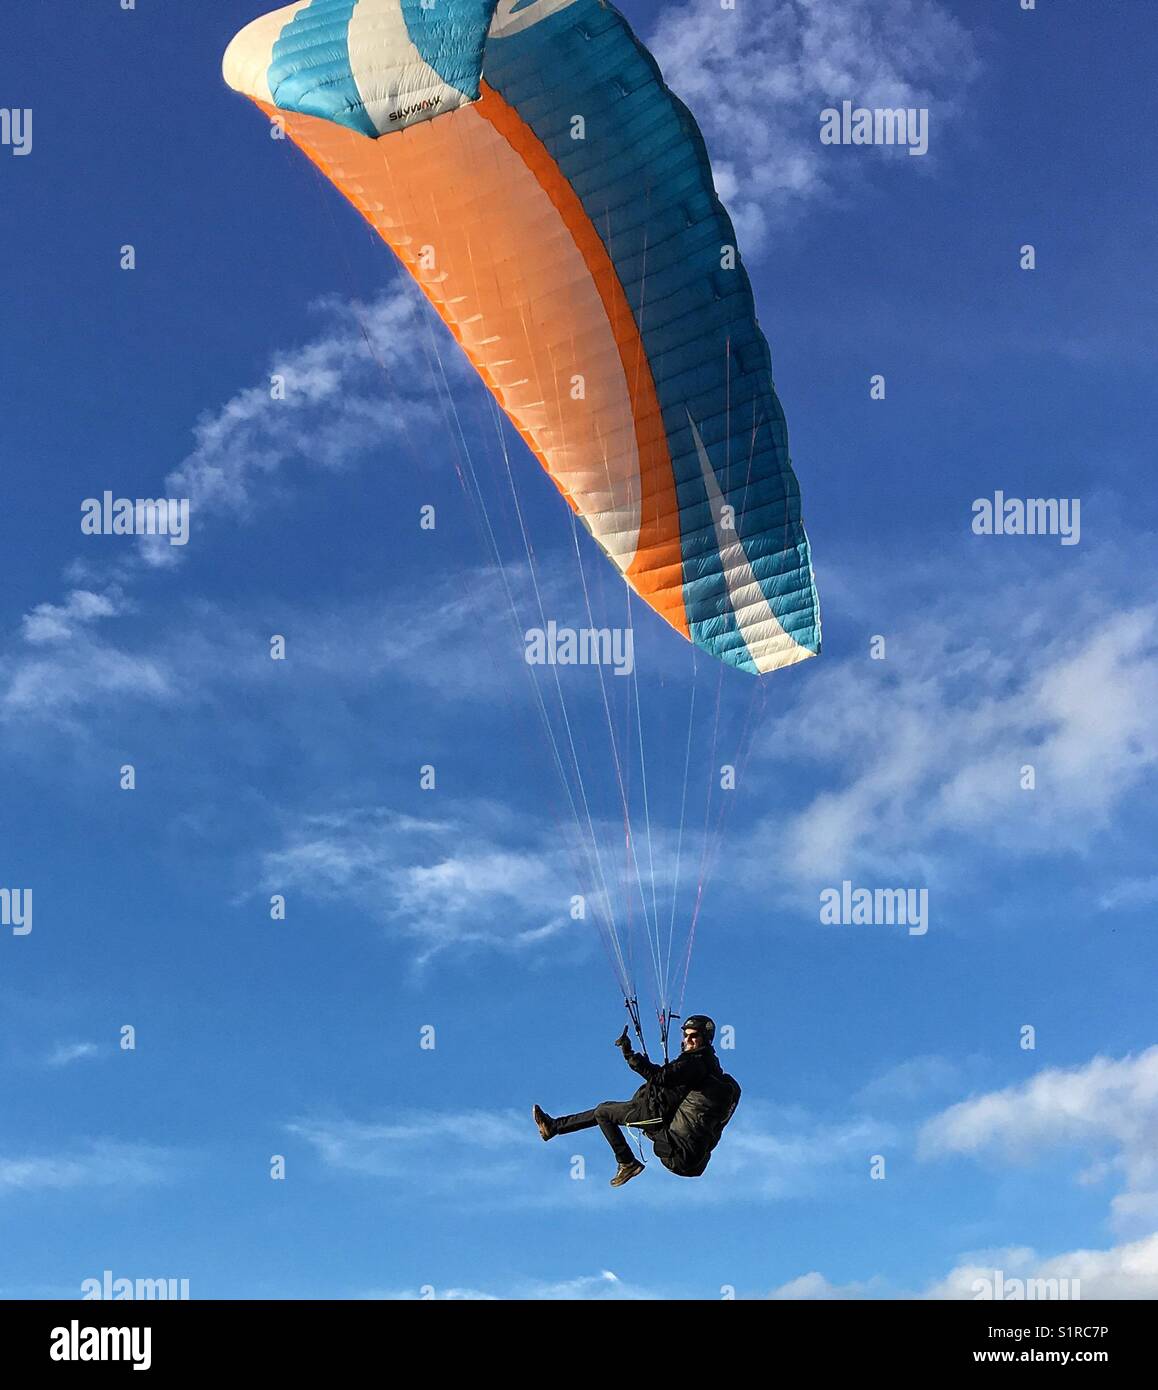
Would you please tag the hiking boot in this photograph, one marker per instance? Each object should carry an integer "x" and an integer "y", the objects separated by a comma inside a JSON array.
[
  {"x": 626, "y": 1171},
  {"x": 544, "y": 1121}
]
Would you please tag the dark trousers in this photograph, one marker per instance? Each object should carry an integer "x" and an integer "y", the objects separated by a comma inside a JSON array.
[{"x": 608, "y": 1115}]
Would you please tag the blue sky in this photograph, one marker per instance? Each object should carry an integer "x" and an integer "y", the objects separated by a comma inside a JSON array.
[{"x": 410, "y": 1168}]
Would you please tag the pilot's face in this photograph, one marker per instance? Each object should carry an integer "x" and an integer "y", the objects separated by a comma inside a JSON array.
[{"x": 693, "y": 1040}]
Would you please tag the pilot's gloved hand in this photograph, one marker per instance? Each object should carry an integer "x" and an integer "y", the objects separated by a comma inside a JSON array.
[{"x": 622, "y": 1043}]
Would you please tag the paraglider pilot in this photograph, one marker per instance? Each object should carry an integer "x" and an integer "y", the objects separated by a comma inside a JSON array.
[{"x": 681, "y": 1107}]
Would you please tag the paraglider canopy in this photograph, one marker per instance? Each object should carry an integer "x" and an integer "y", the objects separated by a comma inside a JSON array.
[{"x": 554, "y": 201}]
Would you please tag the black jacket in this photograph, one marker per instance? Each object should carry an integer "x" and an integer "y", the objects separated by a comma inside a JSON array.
[
  {"x": 695, "y": 1099},
  {"x": 666, "y": 1085}
]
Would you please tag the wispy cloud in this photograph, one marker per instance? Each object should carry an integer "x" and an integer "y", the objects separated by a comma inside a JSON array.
[
  {"x": 923, "y": 752},
  {"x": 388, "y": 1149},
  {"x": 1131, "y": 892},
  {"x": 65, "y": 1053},
  {"x": 328, "y": 403},
  {"x": 815, "y": 1286},
  {"x": 758, "y": 76},
  {"x": 478, "y": 1157},
  {"x": 79, "y": 673},
  {"x": 50, "y": 622},
  {"x": 602, "y": 1287},
  {"x": 477, "y": 878},
  {"x": 772, "y": 1152},
  {"x": 101, "y": 1163},
  {"x": 63, "y": 668},
  {"x": 605, "y": 1286},
  {"x": 769, "y": 1154}
]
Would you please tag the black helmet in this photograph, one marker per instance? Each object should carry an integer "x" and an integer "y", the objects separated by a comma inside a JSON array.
[{"x": 703, "y": 1024}]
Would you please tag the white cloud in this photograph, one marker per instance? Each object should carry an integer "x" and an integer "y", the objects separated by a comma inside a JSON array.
[
  {"x": 1121, "y": 1272},
  {"x": 78, "y": 674},
  {"x": 58, "y": 622},
  {"x": 479, "y": 877},
  {"x": 757, "y": 78},
  {"x": 485, "y": 1142},
  {"x": 1132, "y": 892},
  {"x": 815, "y": 1286},
  {"x": 340, "y": 402},
  {"x": 1124, "y": 1271},
  {"x": 602, "y": 1287},
  {"x": 99, "y": 1164},
  {"x": 341, "y": 405},
  {"x": 605, "y": 1286},
  {"x": 64, "y": 1053},
  {"x": 484, "y": 1158},
  {"x": 442, "y": 881},
  {"x": 65, "y": 667},
  {"x": 1106, "y": 1109},
  {"x": 925, "y": 749},
  {"x": 1107, "y": 1112}
]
